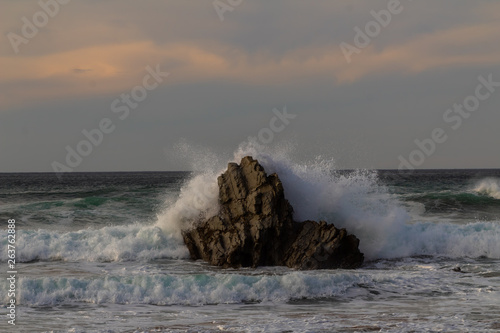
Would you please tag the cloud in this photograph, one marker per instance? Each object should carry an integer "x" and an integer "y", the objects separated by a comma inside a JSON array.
[
  {"x": 456, "y": 47},
  {"x": 227, "y": 75},
  {"x": 114, "y": 68},
  {"x": 81, "y": 70}
]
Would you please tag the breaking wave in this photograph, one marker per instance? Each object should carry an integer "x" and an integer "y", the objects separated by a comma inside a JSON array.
[
  {"x": 117, "y": 243},
  {"x": 355, "y": 200},
  {"x": 488, "y": 187}
]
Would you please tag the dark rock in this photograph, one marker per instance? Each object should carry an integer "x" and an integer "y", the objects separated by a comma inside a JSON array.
[{"x": 255, "y": 227}]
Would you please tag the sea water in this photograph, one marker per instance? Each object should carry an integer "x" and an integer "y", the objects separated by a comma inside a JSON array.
[{"x": 102, "y": 252}]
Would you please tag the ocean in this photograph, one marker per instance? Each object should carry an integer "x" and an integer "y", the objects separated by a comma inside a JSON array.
[{"x": 101, "y": 252}]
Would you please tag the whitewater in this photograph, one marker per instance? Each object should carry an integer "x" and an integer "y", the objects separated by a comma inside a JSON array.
[{"x": 103, "y": 252}]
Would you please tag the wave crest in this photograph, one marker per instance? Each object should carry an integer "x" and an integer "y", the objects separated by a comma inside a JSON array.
[
  {"x": 489, "y": 187},
  {"x": 195, "y": 289},
  {"x": 117, "y": 243},
  {"x": 353, "y": 200}
]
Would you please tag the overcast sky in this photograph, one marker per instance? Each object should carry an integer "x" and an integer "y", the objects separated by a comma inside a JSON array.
[{"x": 65, "y": 69}]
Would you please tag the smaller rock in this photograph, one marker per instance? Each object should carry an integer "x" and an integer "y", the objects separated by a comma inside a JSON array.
[{"x": 321, "y": 245}]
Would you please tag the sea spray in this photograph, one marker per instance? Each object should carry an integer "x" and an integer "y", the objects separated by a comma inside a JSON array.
[
  {"x": 198, "y": 197},
  {"x": 489, "y": 187},
  {"x": 359, "y": 202},
  {"x": 354, "y": 200},
  {"x": 107, "y": 268}
]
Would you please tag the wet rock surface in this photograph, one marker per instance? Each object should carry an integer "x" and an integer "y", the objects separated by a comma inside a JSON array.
[{"x": 255, "y": 227}]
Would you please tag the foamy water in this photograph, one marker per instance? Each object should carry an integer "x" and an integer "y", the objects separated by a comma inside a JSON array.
[
  {"x": 118, "y": 243},
  {"x": 104, "y": 253},
  {"x": 489, "y": 187},
  {"x": 355, "y": 201}
]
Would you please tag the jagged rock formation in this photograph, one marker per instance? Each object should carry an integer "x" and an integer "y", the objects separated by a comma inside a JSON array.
[{"x": 255, "y": 227}]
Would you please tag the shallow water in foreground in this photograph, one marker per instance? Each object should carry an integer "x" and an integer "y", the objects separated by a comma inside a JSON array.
[{"x": 405, "y": 295}]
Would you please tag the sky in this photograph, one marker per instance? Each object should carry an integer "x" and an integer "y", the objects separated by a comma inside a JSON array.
[{"x": 122, "y": 85}]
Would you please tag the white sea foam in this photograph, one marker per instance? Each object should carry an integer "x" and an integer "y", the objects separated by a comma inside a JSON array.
[
  {"x": 489, "y": 187},
  {"x": 478, "y": 239},
  {"x": 355, "y": 201},
  {"x": 407, "y": 297},
  {"x": 198, "y": 197},
  {"x": 117, "y": 243},
  {"x": 235, "y": 288},
  {"x": 193, "y": 289}
]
